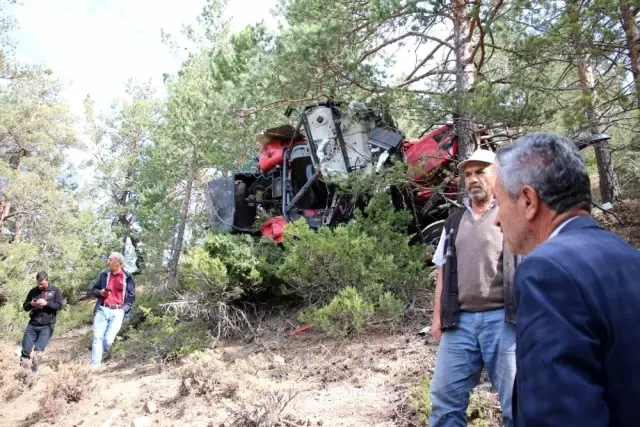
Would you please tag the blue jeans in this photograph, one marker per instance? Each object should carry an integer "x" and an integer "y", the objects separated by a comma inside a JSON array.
[
  {"x": 35, "y": 338},
  {"x": 106, "y": 324},
  {"x": 480, "y": 339}
]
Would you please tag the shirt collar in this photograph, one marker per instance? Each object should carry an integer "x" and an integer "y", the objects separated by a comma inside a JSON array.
[
  {"x": 467, "y": 202},
  {"x": 560, "y": 227}
]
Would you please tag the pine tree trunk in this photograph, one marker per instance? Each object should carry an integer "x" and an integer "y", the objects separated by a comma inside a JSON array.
[
  {"x": 631, "y": 32},
  {"x": 184, "y": 211},
  {"x": 5, "y": 206},
  {"x": 465, "y": 74},
  {"x": 609, "y": 185},
  {"x": 18, "y": 228}
]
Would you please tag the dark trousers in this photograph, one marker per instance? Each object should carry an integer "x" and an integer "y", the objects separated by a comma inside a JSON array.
[{"x": 35, "y": 337}]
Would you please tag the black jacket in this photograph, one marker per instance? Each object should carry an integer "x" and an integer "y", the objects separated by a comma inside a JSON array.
[
  {"x": 449, "y": 303},
  {"x": 47, "y": 314},
  {"x": 129, "y": 292}
]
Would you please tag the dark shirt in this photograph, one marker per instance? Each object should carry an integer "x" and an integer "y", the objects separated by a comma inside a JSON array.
[{"x": 47, "y": 314}]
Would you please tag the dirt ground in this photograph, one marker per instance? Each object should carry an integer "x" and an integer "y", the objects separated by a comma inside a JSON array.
[
  {"x": 366, "y": 380},
  {"x": 624, "y": 220}
]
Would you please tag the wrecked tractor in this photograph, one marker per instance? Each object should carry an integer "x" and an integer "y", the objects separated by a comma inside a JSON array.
[{"x": 296, "y": 172}]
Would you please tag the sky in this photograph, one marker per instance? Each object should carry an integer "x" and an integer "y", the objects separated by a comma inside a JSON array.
[{"x": 96, "y": 45}]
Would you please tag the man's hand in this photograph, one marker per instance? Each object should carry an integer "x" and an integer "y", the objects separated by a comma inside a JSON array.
[
  {"x": 39, "y": 303},
  {"x": 436, "y": 329},
  {"x": 104, "y": 293}
]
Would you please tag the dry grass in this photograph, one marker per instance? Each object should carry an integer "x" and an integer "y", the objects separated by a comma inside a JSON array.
[
  {"x": 13, "y": 383},
  {"x": 205, "y": 375},
  {"x": 70, "y": 384},
  {"x": 414, "y": 408},
  {"x": 266, "y": 411}
]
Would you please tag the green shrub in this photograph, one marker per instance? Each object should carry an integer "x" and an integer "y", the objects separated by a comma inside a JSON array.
[
  {"x": 270, "y": 256},
  {"x": 159, "y": 338},
  {"x": 224, "y": 268},
  {"x": 373, "y": 248},
  {"x": 13, "y": 320},
  {"x": 350, "y": 310},
  {"x": 73, "y": 317},
  {"x": 390, "y": 306},
  {"x": 345, "y": 314},
  {"x": 420, "y": 401},
  {"x": 147, "y": 301}
]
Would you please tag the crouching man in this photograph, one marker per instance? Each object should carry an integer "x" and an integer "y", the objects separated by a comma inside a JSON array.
[
  {"x": 42, "y": 303},
  {"x": 116, "y": 292}
]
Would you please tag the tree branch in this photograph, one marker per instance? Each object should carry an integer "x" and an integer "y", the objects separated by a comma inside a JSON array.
[
  {"x": 381, "y": 46},
  {"x": 428, "y": 57}
]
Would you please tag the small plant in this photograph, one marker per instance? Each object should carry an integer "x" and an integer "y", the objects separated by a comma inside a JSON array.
[
  {"x": 483, "y": 409},
  {"x": 267, "y": 411},
  {"x": 420, "y": 401},
  {"x": 391, "y": 306},
  {"x": 204, "y": 376},
  {"x": 345, "y": 314},
  {"x": 70, "y": 384}
]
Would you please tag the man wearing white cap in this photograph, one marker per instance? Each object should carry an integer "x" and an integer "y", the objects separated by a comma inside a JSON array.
[{"x": 474, "y": 306}]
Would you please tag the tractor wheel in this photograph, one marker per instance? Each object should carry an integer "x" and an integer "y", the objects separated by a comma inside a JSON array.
[{"x": 431, "y": 236}]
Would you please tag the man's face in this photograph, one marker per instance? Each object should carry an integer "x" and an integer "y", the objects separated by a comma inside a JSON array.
[
  {"x": 43, "y": 284},
  {"x": 479, "y": 181},
  {"x": 512, "y": 220},
  {"x": 113, "y": 263}
]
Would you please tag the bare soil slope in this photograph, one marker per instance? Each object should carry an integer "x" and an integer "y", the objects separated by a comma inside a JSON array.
[{"x": 278, "y": 379}]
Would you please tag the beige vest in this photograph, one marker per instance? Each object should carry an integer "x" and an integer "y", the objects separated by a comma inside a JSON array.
[{"x": 479, "y": 255}]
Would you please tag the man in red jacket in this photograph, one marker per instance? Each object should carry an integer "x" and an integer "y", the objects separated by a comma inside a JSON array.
[{"x": 115, "y": 290}]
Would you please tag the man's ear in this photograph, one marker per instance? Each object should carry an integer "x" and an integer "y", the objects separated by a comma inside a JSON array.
[{"x": 530, "y": 202}]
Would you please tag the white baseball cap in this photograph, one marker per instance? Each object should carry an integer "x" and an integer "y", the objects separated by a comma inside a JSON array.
[{"x": 480, "y": 155}]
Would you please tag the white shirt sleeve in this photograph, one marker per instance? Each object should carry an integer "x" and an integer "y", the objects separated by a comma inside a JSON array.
[{"x": 438, "y": 256}]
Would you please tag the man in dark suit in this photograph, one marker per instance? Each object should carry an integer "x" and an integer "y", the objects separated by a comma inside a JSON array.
[{"x": 577, "y": 289}]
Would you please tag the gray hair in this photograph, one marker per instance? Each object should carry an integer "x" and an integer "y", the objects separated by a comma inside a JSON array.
[
  {"x": 551, "y": 165},
  {"x": 118, "y": 256}
]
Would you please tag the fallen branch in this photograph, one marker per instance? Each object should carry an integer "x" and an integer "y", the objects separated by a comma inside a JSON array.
[{"x": 608, "y": 212}]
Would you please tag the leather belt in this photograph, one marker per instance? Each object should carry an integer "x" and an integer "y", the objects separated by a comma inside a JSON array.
[{"x": 113, "y": 306}]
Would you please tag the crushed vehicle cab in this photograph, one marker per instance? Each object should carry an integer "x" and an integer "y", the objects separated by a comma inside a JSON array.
[{"x": 297, "y": 168}]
